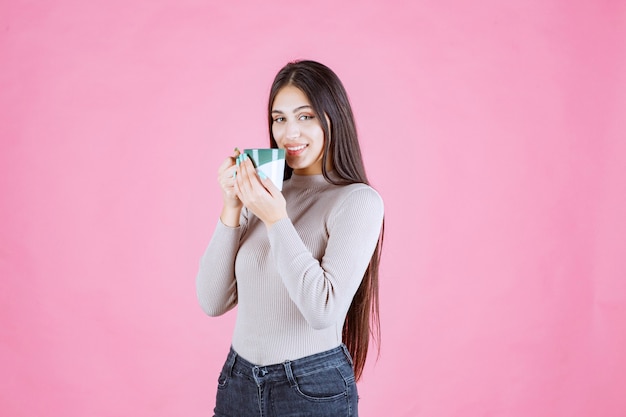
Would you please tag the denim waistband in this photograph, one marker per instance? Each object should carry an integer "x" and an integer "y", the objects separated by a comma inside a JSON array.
[{"x": 288, "y": 369}]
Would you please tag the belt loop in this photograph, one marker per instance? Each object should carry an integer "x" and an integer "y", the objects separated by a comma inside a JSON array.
[
  {"x": 288, "y": 371},
  {"x": 230, "y": 362},
  {"x": 347, "y": 353}
]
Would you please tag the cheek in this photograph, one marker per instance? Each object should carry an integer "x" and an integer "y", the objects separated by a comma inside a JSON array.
[
  {"x": 319, "y": 137},
  {"x": 276, "y": 132}
]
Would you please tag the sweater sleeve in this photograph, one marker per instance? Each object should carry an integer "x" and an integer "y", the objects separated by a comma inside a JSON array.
[
  {"x": 323, "y": 290},
  {"x": 216, "y": 285}
]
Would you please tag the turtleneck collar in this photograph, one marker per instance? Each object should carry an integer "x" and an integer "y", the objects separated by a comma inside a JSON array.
[{"x": 311, "y": 180}]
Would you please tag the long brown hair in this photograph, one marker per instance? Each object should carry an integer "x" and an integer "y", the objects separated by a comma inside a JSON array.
[{"x": 328, "y": 97}]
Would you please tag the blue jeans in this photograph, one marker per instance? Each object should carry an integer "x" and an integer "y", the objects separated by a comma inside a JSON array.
[{"x": 318, "y": 385}]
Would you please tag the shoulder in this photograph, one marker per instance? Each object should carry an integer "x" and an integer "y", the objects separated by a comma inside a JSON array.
[
  {"x": 358, "y": 197},
  {"x": 360, "y": 192}
]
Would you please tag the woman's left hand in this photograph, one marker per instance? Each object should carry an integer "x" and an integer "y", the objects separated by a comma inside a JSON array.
[{"x": 259, "y": 195}]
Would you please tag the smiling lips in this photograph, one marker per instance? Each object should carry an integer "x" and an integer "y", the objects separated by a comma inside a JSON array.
[{"x": 295, "y": 150}]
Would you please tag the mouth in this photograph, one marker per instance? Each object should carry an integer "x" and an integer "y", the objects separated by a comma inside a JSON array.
[{"x": 295, "y": 150}]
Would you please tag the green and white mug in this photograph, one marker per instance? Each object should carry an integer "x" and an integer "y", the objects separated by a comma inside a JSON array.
[{"x": 270, "y": 161}]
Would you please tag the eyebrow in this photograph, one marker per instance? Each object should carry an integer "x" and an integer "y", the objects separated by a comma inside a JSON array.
[{"x": 297, "y": 109}]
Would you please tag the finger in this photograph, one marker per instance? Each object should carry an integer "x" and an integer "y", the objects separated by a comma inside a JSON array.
[
  {"x": 243, "y": 177},
  {"x": 248, "y": 182},
  {"x": 252, "y": 173},
  {"x": 236, "y": 187},
  {"x": 227, "y": 181},
  {"x": 239, "y": 176},
  {"x": 226, "y": 178},
  {"x": 229, "y": 162},
  {"x": 268, "y": 184}
]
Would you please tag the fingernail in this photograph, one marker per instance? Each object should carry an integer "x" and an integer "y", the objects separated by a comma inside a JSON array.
[
  {"x": 262, "y": 175},
  {"x": 238, "y": 160}
]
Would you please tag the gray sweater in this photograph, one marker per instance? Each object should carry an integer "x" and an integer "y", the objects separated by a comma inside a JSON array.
[{"x": 293, "y": 284}]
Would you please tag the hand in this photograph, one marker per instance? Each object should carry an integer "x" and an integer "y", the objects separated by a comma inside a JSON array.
[
  {"x": 231, "y": 208},
  {"x": 258, "y": 194},
  {"x": 226, "y": 179}
]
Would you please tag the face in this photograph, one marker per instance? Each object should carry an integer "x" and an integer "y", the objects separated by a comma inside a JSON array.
[{"x": 297, "y": 129}]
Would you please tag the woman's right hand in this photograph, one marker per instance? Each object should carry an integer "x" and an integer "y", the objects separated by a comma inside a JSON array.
[{"x": 226, "y": 178}]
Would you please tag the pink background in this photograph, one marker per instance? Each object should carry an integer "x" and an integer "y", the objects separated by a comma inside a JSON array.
[{"x": 495, "y": 132}]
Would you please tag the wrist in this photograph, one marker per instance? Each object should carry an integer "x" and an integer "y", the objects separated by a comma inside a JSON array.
[
  {"x": 230, "y": 215},
  {"x": 269, "y": 223}
]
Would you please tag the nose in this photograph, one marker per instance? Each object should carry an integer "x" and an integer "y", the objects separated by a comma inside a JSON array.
[{"x": 293, "y": 131}]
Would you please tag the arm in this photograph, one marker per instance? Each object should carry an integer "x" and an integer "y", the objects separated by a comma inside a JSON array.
[
  {"x": 323, "y": 290},
  {"x": 216, "y": 284}
]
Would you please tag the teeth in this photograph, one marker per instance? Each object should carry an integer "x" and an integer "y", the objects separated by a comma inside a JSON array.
[{"x": 296, "y": 148}]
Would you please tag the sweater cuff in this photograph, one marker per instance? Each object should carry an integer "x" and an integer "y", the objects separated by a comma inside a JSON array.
[{"x": 220, "y": 224}]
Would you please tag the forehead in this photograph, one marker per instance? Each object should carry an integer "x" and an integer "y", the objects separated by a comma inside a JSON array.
[{"x": 290, "y": 97}]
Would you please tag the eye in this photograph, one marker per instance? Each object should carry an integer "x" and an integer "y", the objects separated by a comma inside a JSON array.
[
  {"x": 279, "y": 119},
  {"x": 306, "y": 117}
]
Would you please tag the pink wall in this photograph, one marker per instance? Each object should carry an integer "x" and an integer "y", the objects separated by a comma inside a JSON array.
[{"x": 494, "y": 132}]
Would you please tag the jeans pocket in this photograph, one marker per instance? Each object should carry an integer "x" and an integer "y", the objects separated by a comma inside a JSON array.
[
  {"x": 325, "y": 384},
  {"x": 222, "y": 380}
]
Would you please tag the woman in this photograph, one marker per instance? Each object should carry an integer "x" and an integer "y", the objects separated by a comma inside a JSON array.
[{"x": 301, "y": 265}]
